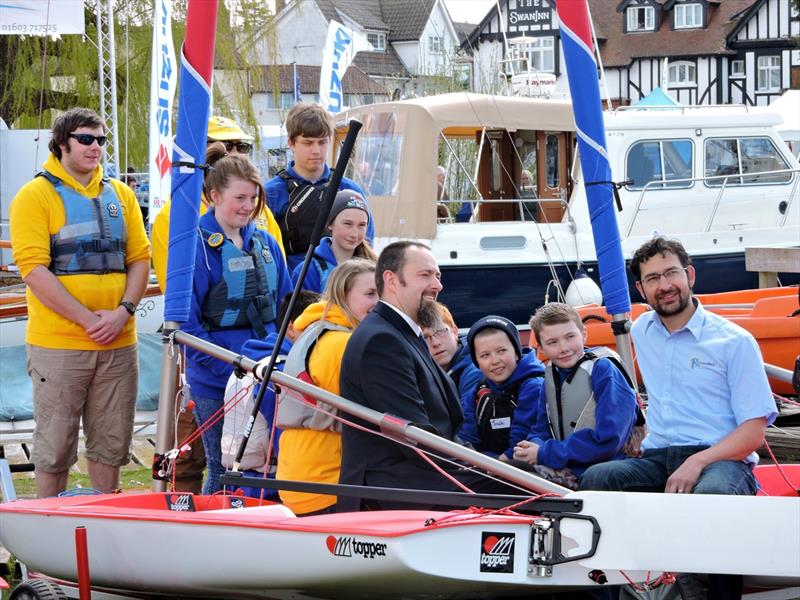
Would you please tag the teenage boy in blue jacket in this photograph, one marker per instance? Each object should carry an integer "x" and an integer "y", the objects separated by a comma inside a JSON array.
[
  {"x": 310, "y": 130},
  {"x": 504, "y": 405},
  {"x": 588, "y": 410}
]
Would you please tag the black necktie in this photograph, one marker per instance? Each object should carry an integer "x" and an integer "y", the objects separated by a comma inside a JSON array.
[{"x": 422, "y": 344}]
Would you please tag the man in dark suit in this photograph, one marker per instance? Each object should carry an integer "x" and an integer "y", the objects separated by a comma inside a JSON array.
[{"x": 387, "y": 367}]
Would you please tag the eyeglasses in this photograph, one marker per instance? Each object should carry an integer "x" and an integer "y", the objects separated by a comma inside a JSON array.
[
  {"x": 671, "y": 275},
  {"x": 87, "y": 139},
  {"x": 241, "y": 147},
  {"x": 438, "y": 334}
]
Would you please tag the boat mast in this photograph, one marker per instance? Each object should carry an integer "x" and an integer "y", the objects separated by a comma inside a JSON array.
[
  {"x": 579, "y": 56},
  {"x": 189, "y": 152},
  {"x": 107, "y": 73}
]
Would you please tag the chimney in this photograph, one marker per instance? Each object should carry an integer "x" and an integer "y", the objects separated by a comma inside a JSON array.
[{"x": 279, "y": 5}]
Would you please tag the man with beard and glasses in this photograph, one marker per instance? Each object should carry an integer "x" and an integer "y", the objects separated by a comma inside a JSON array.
[
  {"x": 387, "y": 367},
  {"x": 709, "y": 399}
]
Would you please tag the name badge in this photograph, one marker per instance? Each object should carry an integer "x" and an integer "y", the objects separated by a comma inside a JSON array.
[
  {"x": 502, "y": 423},
  {"x": 240, "y": 263}
]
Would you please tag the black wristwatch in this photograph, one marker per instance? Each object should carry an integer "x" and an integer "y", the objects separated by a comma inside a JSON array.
[{"x": 129, "y": 306}]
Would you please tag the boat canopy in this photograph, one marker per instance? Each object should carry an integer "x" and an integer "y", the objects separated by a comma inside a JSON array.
[{"x": 398, "y": 148}]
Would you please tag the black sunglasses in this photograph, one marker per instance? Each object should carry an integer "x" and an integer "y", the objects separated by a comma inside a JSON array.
[
  {"x": 86, "y": 139},
  {"x": 241, "y": 147}
]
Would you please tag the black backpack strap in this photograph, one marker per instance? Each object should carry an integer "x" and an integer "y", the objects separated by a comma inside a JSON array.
[{"x": 291, "y": 182}]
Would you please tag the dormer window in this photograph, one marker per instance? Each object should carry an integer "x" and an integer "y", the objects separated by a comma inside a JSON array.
[
  {"x": 688, "y": 15},
  {"x": 641, "y": 18},
  {"x": 378, "y": 40}
]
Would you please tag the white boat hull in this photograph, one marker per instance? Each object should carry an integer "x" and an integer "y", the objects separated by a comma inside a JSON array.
[{"x": 266, "y": 552}]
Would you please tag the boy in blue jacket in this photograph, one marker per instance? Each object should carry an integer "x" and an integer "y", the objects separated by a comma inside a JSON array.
[
  {"x": 588, "y": 411},
  {"x": 504, "y": 405}
]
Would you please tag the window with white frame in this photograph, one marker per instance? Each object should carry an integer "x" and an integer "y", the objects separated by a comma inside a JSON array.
[
  {"x": 541, "y": 54},
  {"x": 378, "y": 40},
  {"x": 641, "y": 18},
  {"x": 435, "y": 44},
  {"x": 769, "y": 73},
  {"x": 688, "y": 16},
  {"x": 737, "y": 69},
  {"x": 682, "y": 74}
]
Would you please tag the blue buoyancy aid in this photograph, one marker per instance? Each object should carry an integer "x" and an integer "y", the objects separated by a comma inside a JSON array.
[
  {"x": 243, "y": 298},
  {"x": 94, "y": 236}
]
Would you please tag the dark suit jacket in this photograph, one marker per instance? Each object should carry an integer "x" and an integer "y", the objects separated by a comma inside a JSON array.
[{"x": 386, "y": 368}]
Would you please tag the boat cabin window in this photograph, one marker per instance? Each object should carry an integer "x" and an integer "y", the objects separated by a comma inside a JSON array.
[
  {"x": 376, "y": 162},
  {"x": 753, "y": 158},
  {"x": 668, "y": 162}
]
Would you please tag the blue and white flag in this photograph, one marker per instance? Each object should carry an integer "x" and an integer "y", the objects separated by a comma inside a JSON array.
[
  {"x": 297, "y": 92},
  {"x": 163, "y": 81},
  {"x": 341, "y": 45}
]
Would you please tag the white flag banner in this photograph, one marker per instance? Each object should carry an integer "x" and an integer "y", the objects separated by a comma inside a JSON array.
[
  {"x": 341, "y": 45},
  {"x": 163, "y": 81},
  {"x": 34, "y": 17}
]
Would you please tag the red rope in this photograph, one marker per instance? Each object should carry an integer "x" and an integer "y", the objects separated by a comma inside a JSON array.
[{"x": 780, "y": 470}]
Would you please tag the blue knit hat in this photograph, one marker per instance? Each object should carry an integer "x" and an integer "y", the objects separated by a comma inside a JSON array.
[
  {"x": 494, "y": 322},
  {"x": 347, "y": 199}
]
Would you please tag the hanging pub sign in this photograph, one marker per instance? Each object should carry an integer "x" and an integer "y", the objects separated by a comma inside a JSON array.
[{"x": 529, "y": 13}]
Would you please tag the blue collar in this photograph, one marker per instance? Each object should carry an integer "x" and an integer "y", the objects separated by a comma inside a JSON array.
[{"x": 326, "y": 174}]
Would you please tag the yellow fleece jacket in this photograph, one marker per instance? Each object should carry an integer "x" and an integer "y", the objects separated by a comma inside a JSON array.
[
  {"x": 159, "y": 236},
  {"x": 37, "y": 212},
  {"x": 306, "y": 454}
]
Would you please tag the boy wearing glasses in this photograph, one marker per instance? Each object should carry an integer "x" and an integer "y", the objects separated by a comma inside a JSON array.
[
  {"x": 450, "y": 351},
  {"x": 310, "y": 130},
  {"x": 81, "y": 247},
  {"x": 709, "y": 399}
]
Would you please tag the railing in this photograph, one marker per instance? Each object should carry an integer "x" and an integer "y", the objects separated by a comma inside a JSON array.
[
  {"x": 674, "y": 184},
  {"x": 683, "y": 108},
  {"x": 394, "y": 427},
  {"x": 521, "y": 202}
]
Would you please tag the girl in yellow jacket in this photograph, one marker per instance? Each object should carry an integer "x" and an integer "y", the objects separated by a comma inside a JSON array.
[{"x": 310, "y": 447}]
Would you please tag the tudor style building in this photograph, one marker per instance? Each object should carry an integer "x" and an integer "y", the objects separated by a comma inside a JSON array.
[{"x": 699, "y": 51}]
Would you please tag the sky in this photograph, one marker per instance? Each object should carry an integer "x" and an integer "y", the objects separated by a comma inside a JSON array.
[{"x": 468, "y": 11}]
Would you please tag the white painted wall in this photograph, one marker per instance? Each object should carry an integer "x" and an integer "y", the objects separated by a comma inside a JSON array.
[
  {"x": 299, "y": 36},
  {"x": 439, "y": 24},
  {"x": 409, "y": 54}
]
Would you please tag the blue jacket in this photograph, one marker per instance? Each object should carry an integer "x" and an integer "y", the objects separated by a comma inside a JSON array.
[
  {"x": 257, "y": 349},
  {"x": 315, "y": 278},
  {"x": 614, "y": 417},
  {"x": 469, "y": 376},
  {"x": 530, "y": 373},
  {"x": 207, "y": 376},
  {"x": 278, "y": 198}
]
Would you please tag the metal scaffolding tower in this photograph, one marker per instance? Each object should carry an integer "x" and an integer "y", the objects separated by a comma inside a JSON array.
[{"x": 107, "y": 72}]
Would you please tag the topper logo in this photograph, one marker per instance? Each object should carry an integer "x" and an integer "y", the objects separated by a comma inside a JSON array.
[
  {"x": 497, "y": 552},
  {"x": 347, "y": 546},
  {"x": 180, "y": 502}
]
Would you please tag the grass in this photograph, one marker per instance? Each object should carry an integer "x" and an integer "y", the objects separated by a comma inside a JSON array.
[{"x": 132, "y": 477}]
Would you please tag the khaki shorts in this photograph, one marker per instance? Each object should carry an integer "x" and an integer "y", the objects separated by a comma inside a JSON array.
[{"x": 96, "y": 386}]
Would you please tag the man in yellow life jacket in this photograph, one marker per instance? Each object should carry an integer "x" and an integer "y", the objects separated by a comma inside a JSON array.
[
  {"x": 189, "y": 467},
  {"x": 81, "y": 247}
]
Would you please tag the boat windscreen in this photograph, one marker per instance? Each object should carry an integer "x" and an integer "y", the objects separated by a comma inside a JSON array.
[{"x": 376, "y": 161}]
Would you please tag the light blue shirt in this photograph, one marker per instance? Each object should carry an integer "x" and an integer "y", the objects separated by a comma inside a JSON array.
[{"x": 703, "y": 380}]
